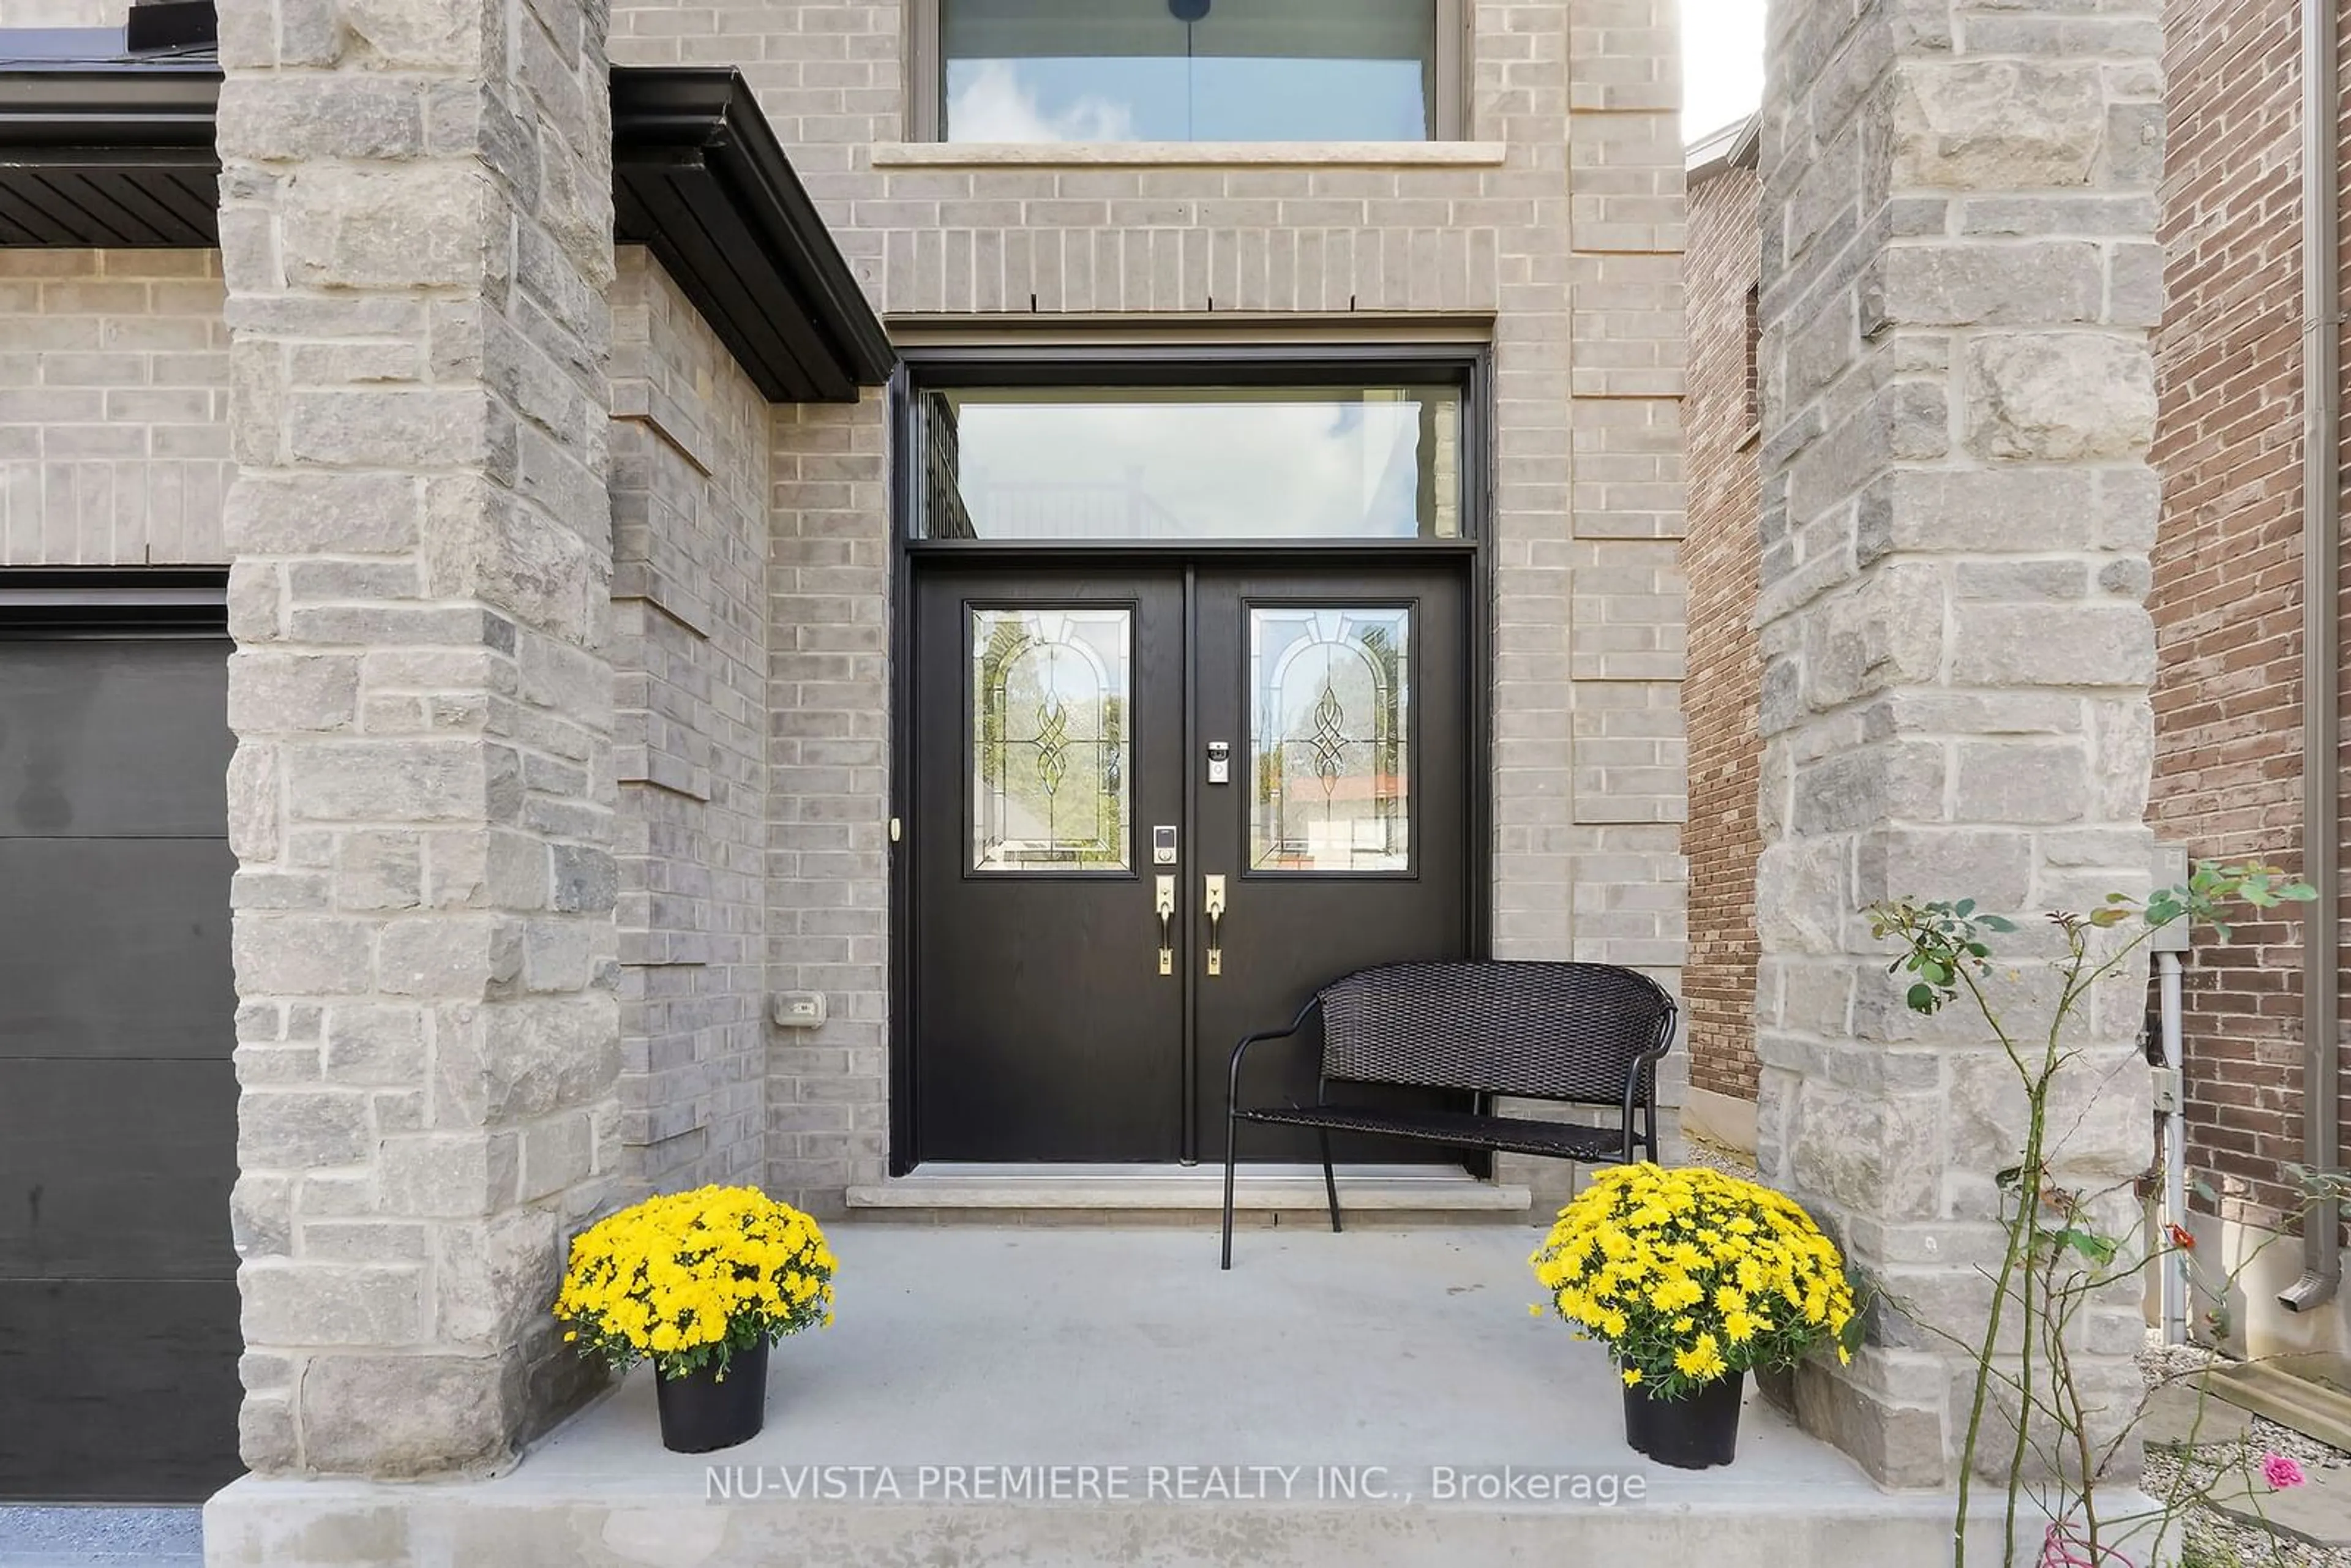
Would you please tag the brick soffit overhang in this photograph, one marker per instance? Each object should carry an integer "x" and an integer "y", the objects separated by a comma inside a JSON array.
[{"x": 119, "y": 152}]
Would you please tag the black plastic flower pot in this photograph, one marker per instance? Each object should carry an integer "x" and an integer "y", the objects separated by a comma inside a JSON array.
[
  {"x": 1695, "y": 1433},
  {"x": 702, "y": 1412}
]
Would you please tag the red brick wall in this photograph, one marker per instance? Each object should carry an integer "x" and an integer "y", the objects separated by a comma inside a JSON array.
[
  {"x": 1719, "y": 558},
  {"x": 2227, "y": 587}
]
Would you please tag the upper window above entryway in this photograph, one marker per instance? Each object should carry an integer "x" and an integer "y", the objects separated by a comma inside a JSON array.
[
  {"x": 1191, "y": 463},
  {"x": 1193, "y": 70}
]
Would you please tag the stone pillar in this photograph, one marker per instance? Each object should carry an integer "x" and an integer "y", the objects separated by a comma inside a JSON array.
[
  {"x": 416, "y": 222},
  {"x": 1960, "y": 277}
]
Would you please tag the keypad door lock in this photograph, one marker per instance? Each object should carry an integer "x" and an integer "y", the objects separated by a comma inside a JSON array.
[{"x": 1220, "y": 762}]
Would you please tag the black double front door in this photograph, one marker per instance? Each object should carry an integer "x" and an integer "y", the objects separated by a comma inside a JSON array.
[{"x": 1155, "y": 808}]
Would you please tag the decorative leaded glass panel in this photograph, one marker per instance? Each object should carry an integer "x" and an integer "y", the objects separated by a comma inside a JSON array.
[
  {"x": 1050, "y": 734},
  {"x": 1329, "y": 702}
]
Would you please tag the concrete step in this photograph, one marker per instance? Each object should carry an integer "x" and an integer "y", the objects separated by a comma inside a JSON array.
[
  {"x": 1291, "y": 1194},
  {"x": 2305, "y": 1396},
  {"x": 1420, "y": 1416},
  {"x": 1726, "y": 1522},
  {"x": 2317, "y": 1512},
  {"x": 2190, "y": 1413},
  {"x": 2305, "y": 1393}
]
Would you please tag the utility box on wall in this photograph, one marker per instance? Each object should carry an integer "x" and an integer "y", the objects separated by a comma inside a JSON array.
[
  {"x": 800, "y": 1009},
  {"x": 2169, "y": 869}
]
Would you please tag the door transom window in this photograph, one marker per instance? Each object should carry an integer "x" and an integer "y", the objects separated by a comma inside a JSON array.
[{"x": 1172, "y": 464}]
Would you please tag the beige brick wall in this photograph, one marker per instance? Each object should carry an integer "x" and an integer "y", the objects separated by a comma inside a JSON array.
[
  {"x": 1560, "y": 235},
  {"x": 1722, "y": 557},
  {"x": 829, "y": 756},
  {"x": 113, "y": 408},
  {"x": 690, "y": 667}
]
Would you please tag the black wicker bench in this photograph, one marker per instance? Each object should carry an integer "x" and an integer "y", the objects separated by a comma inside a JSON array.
[{"x": 1587, "y": 1034}]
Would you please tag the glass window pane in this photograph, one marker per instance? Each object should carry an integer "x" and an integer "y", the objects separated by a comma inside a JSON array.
[
  {"x": 1194, "y": 462},
  {"x": 1330, "y": 712},
  {"x": 1187, "y": 70},
  {"x": 1050, "y": 738}
]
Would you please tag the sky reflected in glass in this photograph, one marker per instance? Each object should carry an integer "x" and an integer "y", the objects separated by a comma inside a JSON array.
[
  {"x": 1179, "y": 101},
  {"x": 1202, "y": 462},
  {"x": 1131, "y": 70}
]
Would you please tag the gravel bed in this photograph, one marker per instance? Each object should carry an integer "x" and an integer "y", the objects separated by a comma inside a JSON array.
[
  {"x": 2211, "y": 1540},
  {"x": 101, "y": 1537},
  {"x": 1698, "y": 1151}
]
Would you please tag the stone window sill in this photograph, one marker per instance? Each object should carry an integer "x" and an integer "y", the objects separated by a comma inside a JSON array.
[{"x": 1193, "y": 154}]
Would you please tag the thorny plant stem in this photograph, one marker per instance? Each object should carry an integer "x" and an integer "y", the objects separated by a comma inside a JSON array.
[
  {"x": 2052, "y": 1269},
  {"x": 1991, "y": 1330},
  {"x": 2022, "y": 1227}
]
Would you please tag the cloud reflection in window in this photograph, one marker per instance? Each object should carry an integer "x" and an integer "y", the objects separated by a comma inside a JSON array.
[{"x": 1202, "y": 462}]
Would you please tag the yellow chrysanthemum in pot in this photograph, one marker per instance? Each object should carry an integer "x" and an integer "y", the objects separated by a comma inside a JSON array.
[
  {"x": 701, "y": 1283},
  {"x": 1692, "y": 1279}
]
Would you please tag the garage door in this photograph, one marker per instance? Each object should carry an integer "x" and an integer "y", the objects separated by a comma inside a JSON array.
[{"x": 118, "y": 1098}]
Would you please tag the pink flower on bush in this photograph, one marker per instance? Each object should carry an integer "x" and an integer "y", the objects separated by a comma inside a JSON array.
[{"x": 2280, "y": 1472}]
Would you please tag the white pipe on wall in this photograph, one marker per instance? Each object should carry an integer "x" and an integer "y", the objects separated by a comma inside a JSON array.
[
  {"x": 2175, "y": 1149},
  {"x": 2322, "y": 478}
]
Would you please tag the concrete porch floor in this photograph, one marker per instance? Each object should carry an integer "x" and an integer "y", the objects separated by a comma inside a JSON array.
[{"x": 1386, "y": 1358}]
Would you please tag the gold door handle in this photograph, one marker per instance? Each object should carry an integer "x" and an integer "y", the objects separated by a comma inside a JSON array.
[
  {"x": 1213, "y": 902},
  {"x": 1166, "y": 903}
]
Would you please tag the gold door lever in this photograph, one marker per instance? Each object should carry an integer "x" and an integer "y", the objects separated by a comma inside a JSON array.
[
  {"x": 1214, "y": 904},
  {"x": 1167, "y": 907}
]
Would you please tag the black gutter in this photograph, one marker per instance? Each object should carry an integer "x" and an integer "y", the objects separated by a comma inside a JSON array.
[
  {"x": 165, "y": 104},
  {"x": 117, "y": 153},
  {"x": 121, "y": 152},
  {"x": 699, "y": 178}
]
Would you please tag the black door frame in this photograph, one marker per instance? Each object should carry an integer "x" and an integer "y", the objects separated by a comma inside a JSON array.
[{"x": 1467, "y": 363}]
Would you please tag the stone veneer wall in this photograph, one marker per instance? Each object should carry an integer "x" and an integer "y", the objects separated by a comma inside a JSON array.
[
  {"x": 416, "y": 220},
  {"x": 113, "y": 408},
  {"x": 1722, "y": 558},
  {"x": 690, "y": 656},
  {"x": 1564, "y": 228},
  {"x": 1960, "y": 279}
]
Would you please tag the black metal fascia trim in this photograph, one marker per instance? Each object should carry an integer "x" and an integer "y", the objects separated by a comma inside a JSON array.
[
  {"x": 163, "y": 107},
  {"x": 698, "y": 176},
  {"x": 93, "y": 601},
  {"x": 114, "y": 153},
  {"x": 680, "y": 123}
]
